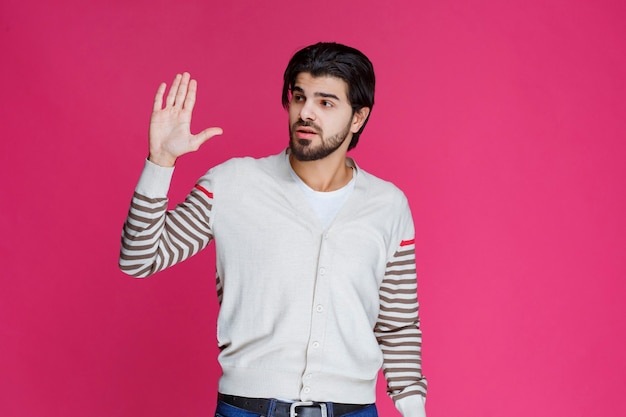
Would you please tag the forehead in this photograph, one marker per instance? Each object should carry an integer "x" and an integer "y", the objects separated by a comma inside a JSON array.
[{"x": 322, "y": 85}]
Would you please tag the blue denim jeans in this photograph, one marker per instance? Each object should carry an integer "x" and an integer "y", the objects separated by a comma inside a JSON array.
[{"x": 227, "y": 410}]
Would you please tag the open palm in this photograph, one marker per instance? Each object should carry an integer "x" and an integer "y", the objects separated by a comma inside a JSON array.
[{"x": 170, "y": 125}]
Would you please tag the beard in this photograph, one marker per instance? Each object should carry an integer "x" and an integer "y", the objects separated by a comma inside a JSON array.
[{"x": 304, "y": 150}]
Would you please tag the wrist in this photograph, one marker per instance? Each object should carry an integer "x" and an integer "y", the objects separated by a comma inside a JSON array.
[{"x": 162, "y": 160}]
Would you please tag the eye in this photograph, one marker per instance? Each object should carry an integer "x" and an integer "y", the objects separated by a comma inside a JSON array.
[
  {"x": 326, "y": 103},
  {"x": 298, "y": 98}
]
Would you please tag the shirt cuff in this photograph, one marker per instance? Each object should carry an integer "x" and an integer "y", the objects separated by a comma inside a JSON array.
[
  {"x": 154, "y": 181},
  {"x": 412, "y": 406}
]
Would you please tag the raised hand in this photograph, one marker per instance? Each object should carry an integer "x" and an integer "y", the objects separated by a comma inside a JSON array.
[{"x": 170, "y": 126}]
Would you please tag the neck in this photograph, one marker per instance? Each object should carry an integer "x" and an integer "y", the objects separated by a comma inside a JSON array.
[{"x": 327, "y": 174}]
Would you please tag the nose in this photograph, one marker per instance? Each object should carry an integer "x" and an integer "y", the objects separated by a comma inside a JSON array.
[{"x": 307, "y": 112}]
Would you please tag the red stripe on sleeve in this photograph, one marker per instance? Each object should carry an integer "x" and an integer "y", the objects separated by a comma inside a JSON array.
[
  {"x": 204, "y": 190},
  {"x": 407, "y": 242}
]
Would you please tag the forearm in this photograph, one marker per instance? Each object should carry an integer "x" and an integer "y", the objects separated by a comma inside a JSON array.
[
  {"x": 402, "y": 367},
  {"x": 154, "y": 238}
]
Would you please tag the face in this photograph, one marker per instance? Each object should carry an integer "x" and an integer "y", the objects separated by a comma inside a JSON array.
[{"x": 321, "y": 119}]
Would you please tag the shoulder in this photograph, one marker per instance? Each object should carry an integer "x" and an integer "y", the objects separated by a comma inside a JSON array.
[
  {"x": 388, "y": 205},
  {"x": 245, "y": 166},
  {"x": 245, "y": 175},
  {"x": 378, "y": 188}
]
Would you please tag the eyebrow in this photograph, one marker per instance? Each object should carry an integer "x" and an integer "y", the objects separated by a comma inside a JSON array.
[{"x": 317, "y": 94}]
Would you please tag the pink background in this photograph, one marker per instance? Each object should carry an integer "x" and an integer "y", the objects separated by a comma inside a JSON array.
[{"x": 504, "y": 123}]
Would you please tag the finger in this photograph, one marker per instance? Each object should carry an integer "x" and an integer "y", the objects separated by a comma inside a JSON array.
[
  {"x": 158, "y": 98},
  {"x": 171, "y": 96},
  {"x": 206, "y": 134},
  {"x": 182, "y": 90},
  {"x": 190, "y": 100}
]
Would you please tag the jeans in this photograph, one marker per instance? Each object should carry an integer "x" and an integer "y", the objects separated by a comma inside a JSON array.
[{"x": 227, "y": 410}]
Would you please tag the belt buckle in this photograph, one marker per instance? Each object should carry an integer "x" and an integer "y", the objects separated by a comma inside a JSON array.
[{"x": 292, "y": 409}]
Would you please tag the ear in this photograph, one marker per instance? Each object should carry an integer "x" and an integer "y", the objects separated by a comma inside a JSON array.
[{"x": 358, "y": 119}]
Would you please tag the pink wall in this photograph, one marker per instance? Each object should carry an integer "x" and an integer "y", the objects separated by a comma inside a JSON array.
[{"x": 504, "y": 122}]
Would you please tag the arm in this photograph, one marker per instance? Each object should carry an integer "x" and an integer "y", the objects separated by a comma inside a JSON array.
[
  {"x": 154, "y": 238},
  {"x": 398, "y": 331}
]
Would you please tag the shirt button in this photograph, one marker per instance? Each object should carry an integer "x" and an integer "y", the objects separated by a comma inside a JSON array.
[
  {"x": 307, "y": 390},
  {"x": 319, "y": 308},
  {"x": 308, "y": 376},
  {"x": 316, "y": 345},
  {"x": 322, "y": 271}
]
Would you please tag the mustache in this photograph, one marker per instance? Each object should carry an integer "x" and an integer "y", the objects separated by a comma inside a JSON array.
[{"x": 303, "y": 123}]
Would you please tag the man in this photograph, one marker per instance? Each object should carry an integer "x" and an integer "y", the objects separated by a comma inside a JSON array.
[{"x": 315, "y": 257}]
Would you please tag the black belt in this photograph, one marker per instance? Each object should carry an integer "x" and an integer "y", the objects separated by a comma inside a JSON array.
[{"x": 287, "y": 409}]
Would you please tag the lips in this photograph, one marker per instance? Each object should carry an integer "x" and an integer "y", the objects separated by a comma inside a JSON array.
[
  {"x": 305, "y": 131},
  {"x": 306, "y": 127}
]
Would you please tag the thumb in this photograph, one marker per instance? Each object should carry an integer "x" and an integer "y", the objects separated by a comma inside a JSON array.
[{"x": 207, "y": 134}]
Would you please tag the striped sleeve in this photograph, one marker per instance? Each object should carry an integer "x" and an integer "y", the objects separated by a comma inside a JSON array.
[
  {"x": 154, "y": 238},
  {"x": 398, "y": 332}
]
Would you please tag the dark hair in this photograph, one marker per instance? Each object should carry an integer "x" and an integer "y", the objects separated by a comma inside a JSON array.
[{"x": 335, "y": 60}]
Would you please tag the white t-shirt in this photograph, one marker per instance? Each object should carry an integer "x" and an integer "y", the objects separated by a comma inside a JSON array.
[{"x": 325, "y": 203}]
